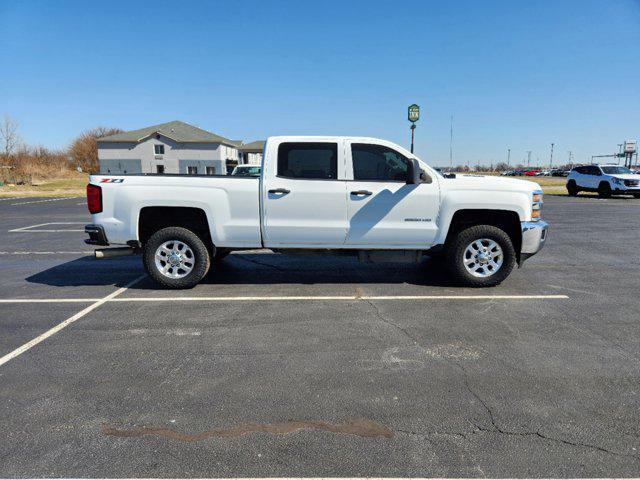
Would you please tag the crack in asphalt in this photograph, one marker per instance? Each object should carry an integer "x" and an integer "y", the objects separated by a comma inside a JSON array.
[
  {"x": 495, "y": 428},
  {"x": 386, "y": 321}
]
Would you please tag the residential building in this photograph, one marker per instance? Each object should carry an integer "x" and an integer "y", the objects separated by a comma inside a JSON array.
[
  {"x": 172, "y": 148},
  {"x": 251, "y": 153}
]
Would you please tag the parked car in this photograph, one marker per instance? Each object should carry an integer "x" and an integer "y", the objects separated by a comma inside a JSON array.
[
  {"x": 360, "y": 196},
  {"x": 607, "y": 180},
  {"x": 543, "y": 173},
  {"x": 530, "y": 173},
  {"x": 247, "y": 170}
]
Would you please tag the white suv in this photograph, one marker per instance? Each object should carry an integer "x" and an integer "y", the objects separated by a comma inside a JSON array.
[{"x": 607, "y": 180}]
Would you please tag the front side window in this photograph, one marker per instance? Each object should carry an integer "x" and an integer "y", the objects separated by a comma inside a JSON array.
[
  {"x": 308, "y": 160},
  {"x": 159, "y": 149},
  {"x": 192, "y": 170},
  {"x": 378, "y": 163}
]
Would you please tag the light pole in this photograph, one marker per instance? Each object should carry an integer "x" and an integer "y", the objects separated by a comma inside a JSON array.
[
  {"x": 508, "y": 157},
  {"x": 551, "y": 157},
  {"x": 528, "y": 158},
  {"x": 413, "y": 114}
]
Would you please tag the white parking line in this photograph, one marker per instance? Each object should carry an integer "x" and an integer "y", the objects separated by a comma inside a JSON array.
[
  {"x": 43, "y": 201},
  {"x": 288, "y": 298},
  {"x": 40, "y": 338},
  {"x": 30, "y": 228},
  {"x": 13, "y": 198}
]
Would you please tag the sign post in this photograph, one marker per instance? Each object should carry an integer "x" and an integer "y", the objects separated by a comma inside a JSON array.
[{"x": 413, "y": 114}]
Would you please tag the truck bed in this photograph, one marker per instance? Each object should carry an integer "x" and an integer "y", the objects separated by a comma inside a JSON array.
[{"x": 230, "y": 203}]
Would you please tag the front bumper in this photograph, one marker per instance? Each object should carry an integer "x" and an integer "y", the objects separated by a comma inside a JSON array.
[
  {"x": 96, "y": 235},
  {"x": 534, "y": 236}
]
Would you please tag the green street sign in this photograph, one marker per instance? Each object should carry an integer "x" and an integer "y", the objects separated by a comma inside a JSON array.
[{"x": 414, "y": 113}]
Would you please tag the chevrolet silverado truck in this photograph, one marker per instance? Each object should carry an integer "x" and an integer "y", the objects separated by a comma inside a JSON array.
[{"x": 320, "y": 195}]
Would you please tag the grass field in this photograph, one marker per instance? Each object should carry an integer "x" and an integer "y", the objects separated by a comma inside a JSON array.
[{"x": 58, "y": 187}]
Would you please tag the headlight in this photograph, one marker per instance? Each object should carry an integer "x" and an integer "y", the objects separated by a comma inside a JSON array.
[{"x": 536, "y": 205}]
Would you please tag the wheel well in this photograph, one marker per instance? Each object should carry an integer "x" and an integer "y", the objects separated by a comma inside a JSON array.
[
  {"x": 506, "y": 220},
  {"x": 153, "y": 219}
]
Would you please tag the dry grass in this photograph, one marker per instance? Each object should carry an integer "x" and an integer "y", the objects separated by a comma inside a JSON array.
[{"x": 71, "y": 184}]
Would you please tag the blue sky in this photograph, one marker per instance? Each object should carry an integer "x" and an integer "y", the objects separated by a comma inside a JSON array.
[{"x": 516, "y": 75}]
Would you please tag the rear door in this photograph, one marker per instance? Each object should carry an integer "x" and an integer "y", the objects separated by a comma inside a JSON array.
[
  {"x": 304, "y": 202},
  {"x": 382, "y": 210}
]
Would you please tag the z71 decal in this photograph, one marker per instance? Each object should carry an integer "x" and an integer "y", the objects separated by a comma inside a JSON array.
[{"x": 112, "y": 180}]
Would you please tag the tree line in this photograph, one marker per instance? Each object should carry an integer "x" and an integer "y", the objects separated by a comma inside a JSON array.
[{"x": 20, "y": 159}]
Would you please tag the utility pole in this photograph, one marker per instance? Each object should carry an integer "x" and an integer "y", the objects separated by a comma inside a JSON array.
[
  {"x": 551, "y": 157},
  {"x": 570, "y": 158},
  {"x": 528, "y": 158},
  {"x": 451, "y": 146},
  {"x": 508, "y": 157}
]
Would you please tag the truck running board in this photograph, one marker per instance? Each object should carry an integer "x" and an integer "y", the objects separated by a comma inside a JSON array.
[{"x": 114, "y": 252}]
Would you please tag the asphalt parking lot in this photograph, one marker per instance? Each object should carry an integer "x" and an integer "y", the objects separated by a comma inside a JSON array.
[{"x": 374, "y": 370}]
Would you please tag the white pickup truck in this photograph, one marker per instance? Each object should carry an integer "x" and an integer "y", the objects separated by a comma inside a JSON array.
[{"x": 343, "y": 195}]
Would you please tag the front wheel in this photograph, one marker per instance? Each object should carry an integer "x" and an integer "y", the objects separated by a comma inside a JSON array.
[
  {"x": 481, "y": 256},
  {"x": 176, "y": 258},
  {"x": 604, "y": 190}
]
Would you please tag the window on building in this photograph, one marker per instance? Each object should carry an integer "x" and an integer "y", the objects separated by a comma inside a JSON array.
[
  {"x": 211, "y": 170},
  {"x": 159, "y": 149},
  {"x": 192, "y": 170},
  {"x": 376, "y": 162},
  {"x": 308, "y": 160},
  {"x": 159, "y": 168}
]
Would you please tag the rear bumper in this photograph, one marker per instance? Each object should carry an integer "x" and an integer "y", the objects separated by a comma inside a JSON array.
[
  {"x": 534, "y": 236},
  {"x": 96, "y": 235}
]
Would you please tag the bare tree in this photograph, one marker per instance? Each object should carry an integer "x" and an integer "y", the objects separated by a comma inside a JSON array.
[
  {"x": 84, "y": 149},
  {"x": 9, "y": 134}
]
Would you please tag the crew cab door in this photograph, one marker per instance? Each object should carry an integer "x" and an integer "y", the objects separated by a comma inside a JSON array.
[
  {"x": 384, "y": 211},
  {"x": 303, "y": 194}
]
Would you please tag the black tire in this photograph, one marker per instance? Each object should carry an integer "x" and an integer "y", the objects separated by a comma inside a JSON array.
[
  {"x": 455, "y": 255},
  {"x": 201, "y": 258},
  {"x": 572, "y": 188},
  {"x": 636, "y": 195},
  {"x": 604, "y": 190}
]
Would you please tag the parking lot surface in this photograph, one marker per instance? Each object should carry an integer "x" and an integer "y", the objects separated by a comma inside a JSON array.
[{"x": 294, "y": 366}]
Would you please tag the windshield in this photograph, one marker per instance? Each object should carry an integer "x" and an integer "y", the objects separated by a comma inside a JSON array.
[
  {"x": 247, "y": 171},
  {"x": 616, "y": 170}
]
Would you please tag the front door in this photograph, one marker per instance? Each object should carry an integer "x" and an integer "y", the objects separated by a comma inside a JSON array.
[
  {"x": 304, "y": 203},
  {"x": 382, "y": 210}
]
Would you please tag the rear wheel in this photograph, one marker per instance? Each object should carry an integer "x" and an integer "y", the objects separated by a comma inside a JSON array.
[
  {"x": 176, "y": 258},
  {"x": 481, "y": 256},
  {"x": 604, "y": 190},
  {"x": 636, "y": 195},
  {"x": 572, "y": 188}
]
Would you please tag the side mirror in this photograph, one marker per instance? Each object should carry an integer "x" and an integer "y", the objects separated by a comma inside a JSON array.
[{"x": 415, "y": 174}]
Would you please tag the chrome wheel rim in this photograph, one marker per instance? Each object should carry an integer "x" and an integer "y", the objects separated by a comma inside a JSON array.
[
  {"x": 174, "y": 259},
  {"x": 483, "y": 258}
]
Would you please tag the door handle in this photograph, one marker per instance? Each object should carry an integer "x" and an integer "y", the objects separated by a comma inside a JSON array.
[
  {"x": 361, "y": 192},
  {"x": 284, "y": 191}
]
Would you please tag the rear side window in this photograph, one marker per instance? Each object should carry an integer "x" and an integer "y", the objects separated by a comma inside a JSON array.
[
  {"x": 308, "y": 160},
  {"x": 376, "y": 162}
]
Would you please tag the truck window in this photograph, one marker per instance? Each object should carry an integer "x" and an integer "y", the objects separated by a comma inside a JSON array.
[
  {"x": 308, "y": 160},
  {"x": 378, "y": 163}
]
